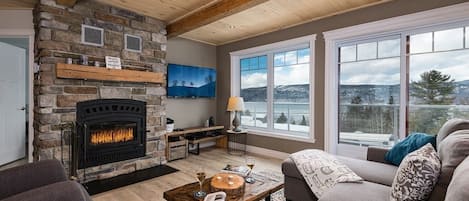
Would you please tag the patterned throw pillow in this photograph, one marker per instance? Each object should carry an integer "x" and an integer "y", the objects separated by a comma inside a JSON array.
[{"x": 417, "y": 175}]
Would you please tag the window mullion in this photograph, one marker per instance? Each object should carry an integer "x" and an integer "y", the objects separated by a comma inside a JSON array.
[
  {"x": 270, "y": 90},
  {"x": 404, "y": 95}
]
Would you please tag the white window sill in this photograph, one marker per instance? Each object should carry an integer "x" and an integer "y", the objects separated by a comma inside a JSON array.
[{"x": 280, "y": 135}]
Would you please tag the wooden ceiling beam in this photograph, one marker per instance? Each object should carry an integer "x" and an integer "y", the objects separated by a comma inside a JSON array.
[
  {"x": 68, "y": 3},
  {"x": 209, "y": 14}
]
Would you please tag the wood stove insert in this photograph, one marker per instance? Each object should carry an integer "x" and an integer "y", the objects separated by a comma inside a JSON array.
[{"x": 109, "y": 130}]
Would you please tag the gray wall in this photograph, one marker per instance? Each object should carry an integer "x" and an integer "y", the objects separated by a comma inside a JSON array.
[
  {"x": 190, "y": 112},
  {"x": 16, "y": 19},
  {"x": 369, "y": 14}
]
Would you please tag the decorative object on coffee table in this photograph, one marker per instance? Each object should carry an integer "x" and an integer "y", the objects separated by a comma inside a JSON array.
[
  {"x": 235, "y": 104},
  {"x": 231, "y": 184},
  {"x": 217, "y": 196},
  {"x": 268, "y": 183},
  {"x": 250, "y": 162},
  {"x": 238, "y": 142},
  {"x": 237, "y": 169},
  {"x": 200, "y": 175}
]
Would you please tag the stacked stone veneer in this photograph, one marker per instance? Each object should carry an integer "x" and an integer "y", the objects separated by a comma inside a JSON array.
[{"x": 58, "y": 36}]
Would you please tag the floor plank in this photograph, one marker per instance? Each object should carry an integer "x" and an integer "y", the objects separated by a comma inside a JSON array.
[
  {"x": 213, "y": 160},
  {"x": 14, "y": 164}
]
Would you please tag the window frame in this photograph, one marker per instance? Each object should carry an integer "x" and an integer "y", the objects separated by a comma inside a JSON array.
[
  {"x": 270, "y": 50},
  {"x": 431, "y": 20}
]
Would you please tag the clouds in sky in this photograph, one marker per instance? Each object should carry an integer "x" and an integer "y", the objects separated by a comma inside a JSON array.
[
  {"x": 292, "y": 75},
  {"x": 253, "y": 79},
  {"x": 454, "y": 63},
  {"x": 288, "y": 75},
  {"x": 376, "y": 72},
  {"x": 387, "y": 71},
  {"x": 370, "y": 72}
]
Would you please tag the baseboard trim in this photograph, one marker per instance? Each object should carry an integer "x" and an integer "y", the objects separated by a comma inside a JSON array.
[{"x": 267, "y": 152}]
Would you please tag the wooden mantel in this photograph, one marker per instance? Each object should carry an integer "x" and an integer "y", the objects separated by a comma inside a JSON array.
[{"x": 74, "y": 71}]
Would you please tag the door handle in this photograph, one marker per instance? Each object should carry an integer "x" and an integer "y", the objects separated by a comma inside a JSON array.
[{"x": 22, "y": 108}]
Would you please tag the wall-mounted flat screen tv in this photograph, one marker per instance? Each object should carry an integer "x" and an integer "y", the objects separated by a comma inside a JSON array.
[{"x": 190, "y": 81}]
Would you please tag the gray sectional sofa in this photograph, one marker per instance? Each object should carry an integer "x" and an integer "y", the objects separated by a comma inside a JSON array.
[
  {"x": 453, "y": 149},
  {"x": 41, "y": 181}
]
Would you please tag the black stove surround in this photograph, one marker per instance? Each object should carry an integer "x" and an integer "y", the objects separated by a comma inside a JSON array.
[{"x": 109, "y": 130}]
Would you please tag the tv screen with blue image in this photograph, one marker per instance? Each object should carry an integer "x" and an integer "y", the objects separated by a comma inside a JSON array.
[{"x": 191, "y": 81}]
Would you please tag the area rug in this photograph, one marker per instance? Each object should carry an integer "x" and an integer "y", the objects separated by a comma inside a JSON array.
[{"x": 278, "y": 196}]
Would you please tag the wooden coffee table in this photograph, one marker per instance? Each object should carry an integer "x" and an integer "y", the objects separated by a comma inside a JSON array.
[{"x": 266, "y": 184}]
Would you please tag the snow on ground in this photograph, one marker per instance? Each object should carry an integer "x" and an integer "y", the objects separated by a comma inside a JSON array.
[{"x": 373, "y": 139}]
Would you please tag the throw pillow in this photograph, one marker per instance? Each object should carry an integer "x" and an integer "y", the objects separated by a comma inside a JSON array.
[
  {"x": 417, "y": 175},
  {"x": 409, "y": 144}
]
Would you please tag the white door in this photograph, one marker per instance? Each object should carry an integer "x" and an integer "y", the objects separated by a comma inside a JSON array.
[{"x": 12, "y": 103}]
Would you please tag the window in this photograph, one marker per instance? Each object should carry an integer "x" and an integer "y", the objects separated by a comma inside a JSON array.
[
  {"x": 370, "y": 85},
  {"x": 369, "y": 91},
  {"x": 275, "y": 82},
  {"x": 254, "y": 91},
  {"x": 291, "y": 91},
  {"x": 438, "y": 79},
  {"x": 388, "y": 79}
]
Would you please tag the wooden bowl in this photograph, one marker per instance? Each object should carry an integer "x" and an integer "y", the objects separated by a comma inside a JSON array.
[{"x": 232, "y": 184}]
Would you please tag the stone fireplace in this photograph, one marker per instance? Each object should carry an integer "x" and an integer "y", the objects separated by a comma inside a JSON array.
[{"x": 112, "y": 117}]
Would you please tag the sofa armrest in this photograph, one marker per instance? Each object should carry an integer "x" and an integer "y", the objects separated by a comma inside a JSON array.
[
  {"x": 30, "y": 176},
  {"x": 377, "y": 154},
  {"x": 60, "y": 191}
]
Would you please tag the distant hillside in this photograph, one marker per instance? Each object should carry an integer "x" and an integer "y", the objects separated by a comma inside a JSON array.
[
  {"x": 284, "y": 93},
  {"x": 370, "y": 94}
]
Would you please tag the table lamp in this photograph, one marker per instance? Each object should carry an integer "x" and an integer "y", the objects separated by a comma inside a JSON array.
[{"x": 235, "y": 104}]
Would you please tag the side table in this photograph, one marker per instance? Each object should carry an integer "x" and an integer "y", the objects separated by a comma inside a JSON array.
[{"x": 237, "y": 142}]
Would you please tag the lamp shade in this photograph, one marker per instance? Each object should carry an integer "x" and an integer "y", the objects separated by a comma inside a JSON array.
[{"x": 235, "y": 104}]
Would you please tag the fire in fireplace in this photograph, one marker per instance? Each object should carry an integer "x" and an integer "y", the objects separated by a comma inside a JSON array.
[
  {"x": 112, "y": 135},
  {"x": 109, "y": 130}
]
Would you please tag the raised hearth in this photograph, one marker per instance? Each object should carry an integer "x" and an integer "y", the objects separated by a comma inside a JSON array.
[{"x": 110, "y": 130}]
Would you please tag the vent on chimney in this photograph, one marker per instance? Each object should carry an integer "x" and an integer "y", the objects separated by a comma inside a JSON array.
[
  {"x": 91, "y": 35},
  {"x": 133, "y": 43}
]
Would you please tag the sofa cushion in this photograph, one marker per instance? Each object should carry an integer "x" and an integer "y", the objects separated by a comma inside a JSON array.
[
  {"x": 417, "y": 175},
  {"x": 449, "y": 127},
  {"x": 380, "y": 173},
  {"x": 66, "y": 190},
  {"x": 365, "y": 191},
  {"x": 452, "y": 151},
  {"x": 408, "y": 145},
  {"x": 457, "y": 189}
]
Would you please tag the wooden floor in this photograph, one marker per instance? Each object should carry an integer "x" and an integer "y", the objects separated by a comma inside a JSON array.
[
  {"x": 14, "y": 164},
  {"x": 213, "y": 160}
]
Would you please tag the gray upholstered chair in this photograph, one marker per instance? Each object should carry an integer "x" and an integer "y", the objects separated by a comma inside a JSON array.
[
  {"x": 41, "y": 181},
  {"x": 452, "y": 148}
]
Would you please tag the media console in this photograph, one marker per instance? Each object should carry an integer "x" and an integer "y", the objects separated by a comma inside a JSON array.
[{"x": 178, "y": 141}]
